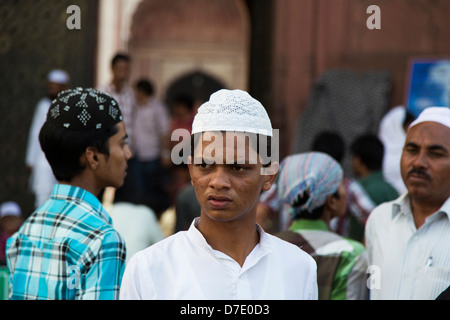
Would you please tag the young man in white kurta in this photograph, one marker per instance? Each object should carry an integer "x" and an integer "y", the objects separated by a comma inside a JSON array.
[
  {"x": 185, "y": 266},
  {"x": 224, "y": 255}
]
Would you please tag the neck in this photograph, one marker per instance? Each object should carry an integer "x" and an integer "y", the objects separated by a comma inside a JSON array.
[
  {"x": 143, "y": 101},
  {"x": 80, "y": 182},
  {"x": 326, "y": 217},
  {"x": 421, "y": 210},
  {"x": 234, "y": 238},
  {"x": 363, "y": 172},
  {"x": 117, "y": 84}
]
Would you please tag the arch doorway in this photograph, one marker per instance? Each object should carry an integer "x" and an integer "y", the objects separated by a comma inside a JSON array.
[{"x": 190, "y": 43}]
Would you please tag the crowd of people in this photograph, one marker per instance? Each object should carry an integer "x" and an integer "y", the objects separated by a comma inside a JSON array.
[{"x": 301, "y": 230}]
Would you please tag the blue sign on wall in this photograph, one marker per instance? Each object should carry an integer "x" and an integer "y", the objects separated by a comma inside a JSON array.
[{"x": 429, "y": 85}]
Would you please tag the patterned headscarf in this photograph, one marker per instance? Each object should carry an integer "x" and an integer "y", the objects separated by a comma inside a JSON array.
[{"x": 316, "y": 173}]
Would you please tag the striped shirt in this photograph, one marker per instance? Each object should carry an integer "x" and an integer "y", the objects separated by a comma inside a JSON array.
[
  {"x": 341, "y": 262},
  {"x": 408, "y": 263},
  {"x": 67, "y": 249}
]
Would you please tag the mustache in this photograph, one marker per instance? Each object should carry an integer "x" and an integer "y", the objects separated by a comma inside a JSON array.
[{"x": 420, "y": 172}]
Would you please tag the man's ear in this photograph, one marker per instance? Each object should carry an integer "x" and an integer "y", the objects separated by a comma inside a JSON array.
[
  {"x": 332, "y": 202},
  {"x": 270, "y": 175},
  {"x": 90, "y": 158},
  {"x": 189, "y": 163}
]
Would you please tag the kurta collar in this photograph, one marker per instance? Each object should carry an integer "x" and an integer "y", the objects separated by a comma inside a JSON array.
[{"x": 265, "y": 245}]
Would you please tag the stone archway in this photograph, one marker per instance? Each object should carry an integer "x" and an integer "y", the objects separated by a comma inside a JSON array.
[{"x": 172, "y": 38}]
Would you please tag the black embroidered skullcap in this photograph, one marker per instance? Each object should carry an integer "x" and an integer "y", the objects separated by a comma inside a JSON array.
[{"x": 84, "y": 109}]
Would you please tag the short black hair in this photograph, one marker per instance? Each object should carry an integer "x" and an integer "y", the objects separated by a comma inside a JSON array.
[
  {"x": 369, "y": 148},
  {"x": 145, "y": 86},
  {"x": 63, "y": 147},
  {"x": 120, "y": 57},
  {"x": 330, "y": 143},
  {"x": 316, "y": 213},
  {"x": 185, "y": 100}
]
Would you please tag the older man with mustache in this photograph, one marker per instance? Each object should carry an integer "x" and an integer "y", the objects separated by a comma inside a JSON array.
[{"x": 408, "y": 239}]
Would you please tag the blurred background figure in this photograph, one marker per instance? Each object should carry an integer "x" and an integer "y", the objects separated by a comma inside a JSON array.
[
  {"x": 367, "y": 159},
  {"x": 41, "y": 176},
  {"x": 182, "y": 115},
  {"x": 392, "y": 133},
  {"x": 10, "y": 221},
  {"x": 358, "y": 201},
  {"x": 137, "y": 224},
  {"x": 333, "y": 144},
  {"x": 312, "y": 185},
  {"x": 187, "y": 208},
  {"x": 119, "y": 88},
  {"x": 122, "y": 92},
  {"x": 151, "y": 125}
]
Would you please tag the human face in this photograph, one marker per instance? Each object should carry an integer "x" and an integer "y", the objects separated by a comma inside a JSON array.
[
  {"x": 121, "y": 70},
  {"x": 227, "y": 191},
  {"x": 54, "y": 88},
  {"x": 341, "y": 201},
  {"x": 112, "y": 169},
  {"x": 425, "y": 162}
]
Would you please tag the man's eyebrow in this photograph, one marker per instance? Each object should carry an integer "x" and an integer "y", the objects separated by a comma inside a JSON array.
[
  {"x": 411, "y": 144},
  {"x": 437, "y": 147},
  {"x": 433, "y": 147}
]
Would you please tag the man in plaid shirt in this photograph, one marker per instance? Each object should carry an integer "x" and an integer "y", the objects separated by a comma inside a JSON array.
[{"x": 68, "y": 248}]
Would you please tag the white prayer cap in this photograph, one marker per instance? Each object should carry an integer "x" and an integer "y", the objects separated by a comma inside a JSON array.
[
  {"x": 232, "y": 110},
  {"x": 58, "y": 76},
  {"x": 434, "y": 114},
  {"x": 10, "y": 208}
]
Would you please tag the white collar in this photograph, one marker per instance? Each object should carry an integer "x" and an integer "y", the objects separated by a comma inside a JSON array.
[
  {"x": 264, "y": 247},
  {"x": 402, "y": 205}
]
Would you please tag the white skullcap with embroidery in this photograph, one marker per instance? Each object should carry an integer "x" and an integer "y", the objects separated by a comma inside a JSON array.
[
  {"x": 434, "y": 114},
  {"x": 232, "y": 110}
]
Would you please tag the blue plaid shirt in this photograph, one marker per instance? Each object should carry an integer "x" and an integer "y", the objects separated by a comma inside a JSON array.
[{"x": 67, "y": 249}]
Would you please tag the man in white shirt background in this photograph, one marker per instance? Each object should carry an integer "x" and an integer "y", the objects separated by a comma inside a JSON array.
[
  {"x": 408, "y": 239},
  {"x": 224, "y": 255},
  {"x": 41, "y": 175}
]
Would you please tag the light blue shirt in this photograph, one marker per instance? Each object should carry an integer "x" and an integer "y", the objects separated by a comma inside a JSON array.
[{"x": 67, "y": 249}]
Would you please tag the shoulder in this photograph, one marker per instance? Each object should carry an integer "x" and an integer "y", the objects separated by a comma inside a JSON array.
[
  {"x": 380, "y": 219},
  {"x": 292, "y": 253},
  {"x": 381, "y": 213},
  {"x": 148, "y": 268},
  {"x": 297, "y": 269},
  {"x": 160, "y": 251}
]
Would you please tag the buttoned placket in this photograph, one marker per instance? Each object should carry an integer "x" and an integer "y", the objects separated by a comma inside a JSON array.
[{"x": 240, "y": 274}]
